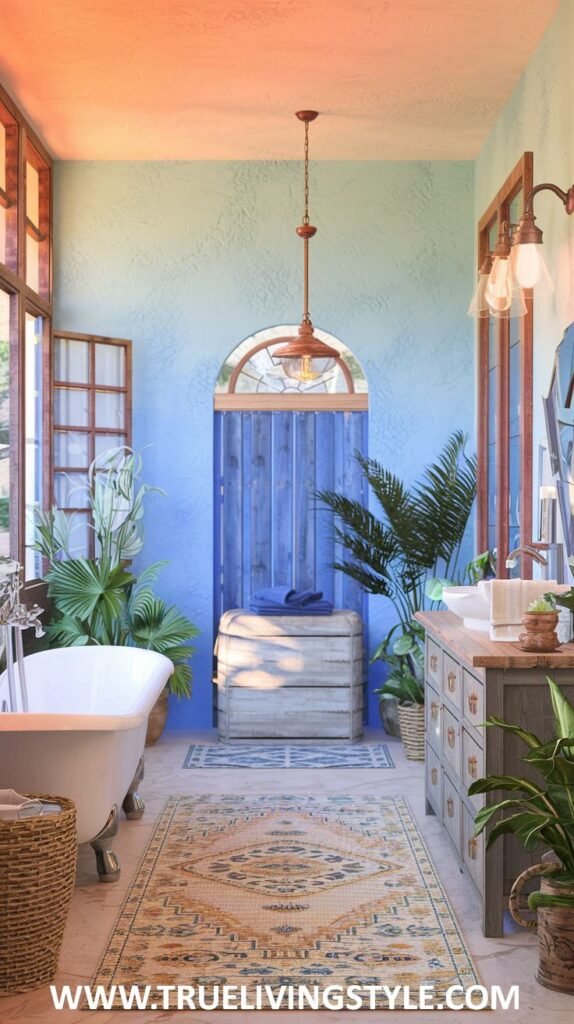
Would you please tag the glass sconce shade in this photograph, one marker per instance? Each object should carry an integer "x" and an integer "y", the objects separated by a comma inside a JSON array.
[
  {"x": 498, "y": 290},
  {"x": 478, "y": 304},
  {"x": 529, "y": 265}
]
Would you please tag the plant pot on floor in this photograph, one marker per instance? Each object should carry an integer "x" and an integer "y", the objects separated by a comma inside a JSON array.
[
  {"x": 412, "y": 723},
  {"x": 540, "y": 632},
  {"x": 157, "y": 718},
  {"x": 555, "y": 927},
  {"x": 389, "y": 713}
]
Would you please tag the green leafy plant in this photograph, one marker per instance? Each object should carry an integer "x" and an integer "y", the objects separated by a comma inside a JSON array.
[
  {"x": 542, "y": 605},
  {"x": 408, "y": 551},
  {"x": 538, "y": 813},
  {"x": 482, "y": 567},
  {"x": 404, "y": 656},
  {"x": 99, "y": 600}
]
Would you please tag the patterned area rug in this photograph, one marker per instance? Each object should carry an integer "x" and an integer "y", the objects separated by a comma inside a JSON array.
[
  {"x": 288, "y": 755},
  {"x": 272, "y": 891}
]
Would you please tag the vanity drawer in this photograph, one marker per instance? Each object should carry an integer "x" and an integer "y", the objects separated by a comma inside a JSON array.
[
  {"x": 451, "y": 740},
  {"x": 433, "y": 780},
  {"x": 472, "y": 849},
  {"x": 434, "y": 714},
  {"x": 451, "y": 810},
  {"x": 473, "y": 699},
  {"x": 452, "y": 680},
  {"x": 434, "y": 662},
  {"x": 472, "y": 764}
]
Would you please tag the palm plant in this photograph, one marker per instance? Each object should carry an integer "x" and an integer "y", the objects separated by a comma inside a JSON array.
[
  {"x": 409, "y": 551},
  {"x": 99, "y": 600},
  {"x": 538, "y": 813}
]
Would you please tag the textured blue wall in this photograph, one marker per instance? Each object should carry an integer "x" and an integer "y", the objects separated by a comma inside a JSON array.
[
  {"x": 538, "y": 117},
  {"x": 188, "y": 258}
]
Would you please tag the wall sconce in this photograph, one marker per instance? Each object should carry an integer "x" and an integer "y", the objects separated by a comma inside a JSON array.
[
  {"x": 516, "y": 263},
  {"x": 529, "y": 263},
  {"x": 498, "y": 293}
]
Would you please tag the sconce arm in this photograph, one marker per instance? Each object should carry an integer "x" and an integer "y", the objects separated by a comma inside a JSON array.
[{"x": 566, "y": 197}]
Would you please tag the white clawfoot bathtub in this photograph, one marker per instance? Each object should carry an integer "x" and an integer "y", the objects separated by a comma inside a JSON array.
[{"x": 84, "y": 734}]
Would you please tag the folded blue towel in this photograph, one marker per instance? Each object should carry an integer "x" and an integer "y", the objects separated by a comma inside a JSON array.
[
  {"x": 286, "y": 596},
  {"x": 319, "y": 607}
]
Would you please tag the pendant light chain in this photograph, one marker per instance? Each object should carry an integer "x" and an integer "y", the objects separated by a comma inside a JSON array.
[{"x": 306, "y": 214}]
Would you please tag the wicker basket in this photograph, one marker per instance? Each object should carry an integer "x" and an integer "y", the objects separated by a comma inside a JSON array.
[
  {"x": 412, "y": 721},
  {"x": 37, "y": 873}
]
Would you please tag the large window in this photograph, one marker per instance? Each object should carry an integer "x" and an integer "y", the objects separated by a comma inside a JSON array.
[
  {"x": 505, "y": 397},
  {"x": 25, "y": 325}
]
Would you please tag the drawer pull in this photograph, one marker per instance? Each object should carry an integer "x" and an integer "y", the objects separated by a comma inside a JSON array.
[
  {"x": 434, "y": 776},
  {"x": 472, "y": 848},
  {"x": 473, "y": 703},
  {"x": 434, "y": 709},
  {"x": 472, "y": 766},
  {"x": 451, "y": 682},
  {"x": 450, "y": 807},
  {"x": 451, "y": 736},
  {"x": 434, "y": 662}
]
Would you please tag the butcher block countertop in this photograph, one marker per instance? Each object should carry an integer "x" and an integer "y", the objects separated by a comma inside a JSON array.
[{"x": 481, "y": 652}]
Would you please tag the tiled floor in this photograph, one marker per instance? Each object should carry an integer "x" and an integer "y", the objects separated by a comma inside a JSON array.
[{"x": 506, "y": 961}]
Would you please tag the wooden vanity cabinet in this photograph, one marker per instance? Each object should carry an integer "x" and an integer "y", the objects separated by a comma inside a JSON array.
[{"x": 467, "y": 678}]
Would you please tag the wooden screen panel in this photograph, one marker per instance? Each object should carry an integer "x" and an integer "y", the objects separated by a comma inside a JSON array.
[
  {"x": 269, "y": 527},
  {"x": 504, "y": 428},
  {"x": 92, "y": 412}
]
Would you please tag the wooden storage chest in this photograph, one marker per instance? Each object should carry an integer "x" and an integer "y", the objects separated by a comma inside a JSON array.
[{"x": 290, "y": 677}]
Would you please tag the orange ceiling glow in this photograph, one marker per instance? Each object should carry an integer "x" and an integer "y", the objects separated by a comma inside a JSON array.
[{"x": 220, "y": 79}]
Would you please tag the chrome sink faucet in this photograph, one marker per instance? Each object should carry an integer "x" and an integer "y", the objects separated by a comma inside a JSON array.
[{"x": 524, "y": 549}]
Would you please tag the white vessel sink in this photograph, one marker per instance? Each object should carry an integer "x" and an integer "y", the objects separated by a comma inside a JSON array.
[
  {"x": 473, "y": 604},
  {"x": 470, "y": 604}
]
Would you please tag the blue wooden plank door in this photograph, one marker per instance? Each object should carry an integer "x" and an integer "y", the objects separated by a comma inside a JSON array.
[{"x": 270, "y": 530}]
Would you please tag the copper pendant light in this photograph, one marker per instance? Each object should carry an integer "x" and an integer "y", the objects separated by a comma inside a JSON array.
[{"x": 305, "y": 357}]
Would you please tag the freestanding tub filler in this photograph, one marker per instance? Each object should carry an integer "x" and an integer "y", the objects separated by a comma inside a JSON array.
[{"x": 83, "y": 734}]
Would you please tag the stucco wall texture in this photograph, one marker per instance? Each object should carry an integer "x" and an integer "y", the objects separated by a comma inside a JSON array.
[
  {"x": 186, "y": 259},
  {"x": 538, "y": 117}
]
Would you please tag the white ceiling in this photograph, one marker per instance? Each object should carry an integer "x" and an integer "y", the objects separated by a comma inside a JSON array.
[{"x": 220, "y": 79}]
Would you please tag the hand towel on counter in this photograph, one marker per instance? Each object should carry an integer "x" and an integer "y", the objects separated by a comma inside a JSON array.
[
  {"x": 506, "y": 608},
  {"x": 509, "y": 600}
]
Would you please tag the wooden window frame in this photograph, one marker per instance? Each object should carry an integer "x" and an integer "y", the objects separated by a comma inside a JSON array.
[
  {"x": 521, "y": 177},
  {"x": 91, "y": 430},
  {"x": 22, "y": 145}
]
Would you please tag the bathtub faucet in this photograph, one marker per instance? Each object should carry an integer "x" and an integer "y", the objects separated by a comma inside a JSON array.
[
  {"x": 15, "y": 616},
  {"x": 21, "y": 617}
]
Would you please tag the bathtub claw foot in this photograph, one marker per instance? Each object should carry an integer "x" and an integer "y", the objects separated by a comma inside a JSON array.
[
  {"x": 133, "y": 805},
  {"x": 107, "y": 862}
]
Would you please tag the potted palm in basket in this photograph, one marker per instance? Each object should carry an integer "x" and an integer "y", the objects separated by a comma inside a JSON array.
[
  {"x": 100, "y": 600},
  {"x": 541, "y": 812}
]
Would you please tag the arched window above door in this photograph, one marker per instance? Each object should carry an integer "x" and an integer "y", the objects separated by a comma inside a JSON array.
[{"x": 251, "y": 370}]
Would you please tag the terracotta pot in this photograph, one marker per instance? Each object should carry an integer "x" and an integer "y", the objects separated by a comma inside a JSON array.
[
  {"x": 540, "y": 632},
  {"x": 555, "y": 931},
  {"x": 157, "y": 719}
]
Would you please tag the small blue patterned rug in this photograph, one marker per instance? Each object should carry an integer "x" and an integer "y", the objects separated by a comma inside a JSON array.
[{"x": 288, "y": 755}]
